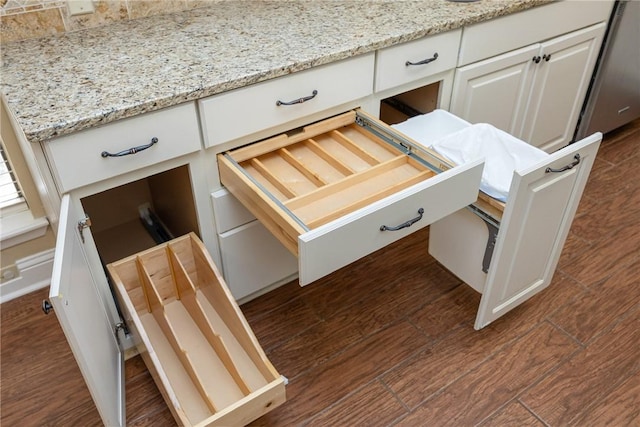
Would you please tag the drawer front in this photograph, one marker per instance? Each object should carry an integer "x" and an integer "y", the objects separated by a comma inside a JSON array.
[
  {"x": 228, "y": 211},
  {"x": 391, "y": 65},
  {"x": 337, "y": 244},
  {"x": 77, "y": 160},
  {"x": 245, "y": 111},
  {"x": 253, "y": 259},
  {"x": 486, "y": 39}
]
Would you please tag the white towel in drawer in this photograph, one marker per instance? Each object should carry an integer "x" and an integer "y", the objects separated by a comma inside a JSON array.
[
  {"x": 502, "y": 152},
  {"x": 343, "y": 188},
  {"x": 246, "y": 111},
  {"x": 100, "y": 153},
  {"x": 415, "y": 60}
]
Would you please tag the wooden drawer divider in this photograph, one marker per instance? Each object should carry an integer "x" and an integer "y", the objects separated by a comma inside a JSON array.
[
  {"x": 187, "y": 318},
  {"x": 326, "y": 165}
]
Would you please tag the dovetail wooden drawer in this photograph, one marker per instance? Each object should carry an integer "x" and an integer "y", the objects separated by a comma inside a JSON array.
[
  {"x": 246, "y": 111},
  {"x": 193, "y": 337},
  {"x": 437, "y": 53},
  {"x": 76, "y": 160},
  {"x": 333, "y": 192}
]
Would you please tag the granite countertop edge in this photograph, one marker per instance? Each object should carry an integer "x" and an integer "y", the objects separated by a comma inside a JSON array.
[{"x": 42, "y": 120}]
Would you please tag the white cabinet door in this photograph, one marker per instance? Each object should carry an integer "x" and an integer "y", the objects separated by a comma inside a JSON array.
[
  {"x": 561, "y": 81},
  {"x": 496, "y": 90},
  {"x": 78, "y": 299},
  {"x": 541, "y": 206}
]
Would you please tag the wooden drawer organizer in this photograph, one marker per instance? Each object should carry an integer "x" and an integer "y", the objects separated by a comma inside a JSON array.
[
  {"x": 193, "y": 337},
  {"x": 331, "y": 168},
  {"x": 344, "y": 187}
]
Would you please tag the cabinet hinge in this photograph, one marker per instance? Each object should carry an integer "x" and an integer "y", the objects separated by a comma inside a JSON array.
[
  {"x": 120, "y": 327},
  {"x": 82, "y": 224}
]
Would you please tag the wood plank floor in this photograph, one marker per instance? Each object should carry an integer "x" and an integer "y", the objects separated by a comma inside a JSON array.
[{"x": 389, "y": 341}]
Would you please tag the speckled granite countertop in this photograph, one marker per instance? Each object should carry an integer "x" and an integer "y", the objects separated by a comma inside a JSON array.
[{"x": 62, "y": 84}]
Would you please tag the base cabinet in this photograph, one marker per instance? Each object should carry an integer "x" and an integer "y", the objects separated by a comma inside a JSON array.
[{"x": 536, "y": 92}]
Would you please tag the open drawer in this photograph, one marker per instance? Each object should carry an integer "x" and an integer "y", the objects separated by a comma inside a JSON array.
[
  {"x": 344, "y": 187},
  {"x": 193, "y": 337}
]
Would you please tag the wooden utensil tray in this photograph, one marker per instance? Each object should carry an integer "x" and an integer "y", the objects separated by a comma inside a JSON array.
[
  {"x": 193, "y": 337},
  {"x": 326, "y": 170}
]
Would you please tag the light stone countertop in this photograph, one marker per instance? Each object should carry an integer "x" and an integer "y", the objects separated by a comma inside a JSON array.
[{"x": 62, "y": 84}]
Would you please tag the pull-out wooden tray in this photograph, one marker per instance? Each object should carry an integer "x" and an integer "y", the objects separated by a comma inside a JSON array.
[
  {"x": 193, "y": 337},
  {"x": 344, "y": 187}
]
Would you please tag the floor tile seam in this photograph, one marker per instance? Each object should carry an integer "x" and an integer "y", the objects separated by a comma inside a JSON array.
[
  {"x": 566, "y": 360},
  {"x": 276, "y": 346},
  {"x": 533, "y": 412},
  {"x": 378, "y": 377},
  {"x": 587, "y": 408},
  {"x": 608, "y": 328},
  {"x": 349, "y": 395},
  {"x": 476, "y": 366},
  {"x": 334, "y": 355},
  {"x": 520, "y": 396}
]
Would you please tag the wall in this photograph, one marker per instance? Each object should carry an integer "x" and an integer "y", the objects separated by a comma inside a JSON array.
[
  {"x": 25, "y": 266},
  {"x": 25, "y": 19}
]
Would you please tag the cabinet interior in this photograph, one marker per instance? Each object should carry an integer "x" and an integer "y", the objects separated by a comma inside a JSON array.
[
  {"x": 402, "y": 106},
  {"x": 115, "y": 214}
]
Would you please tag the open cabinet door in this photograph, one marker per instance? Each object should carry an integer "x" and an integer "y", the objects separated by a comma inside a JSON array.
[
  {"x": 78, "y": 301},
  {"x": 542, "y": 203}
]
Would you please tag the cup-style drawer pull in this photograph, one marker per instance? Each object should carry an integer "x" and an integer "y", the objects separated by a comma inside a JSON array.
[
  {"x": 132, "y": 150},
  {"x": 424, "y": 61},
  {"x": 404, "y": 224},
  {"x": 567, "y": 167},
  {"x": 299, "y": 100}
]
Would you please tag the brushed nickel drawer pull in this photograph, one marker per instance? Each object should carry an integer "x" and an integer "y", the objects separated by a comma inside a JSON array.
[
  {"x": 132, "y": 150},
  {"x": 424, "y": 61},
  {"x": 299, "y": 100},
  {"x": 404, "y": 224},
  {"x": 567, "y": 167}
]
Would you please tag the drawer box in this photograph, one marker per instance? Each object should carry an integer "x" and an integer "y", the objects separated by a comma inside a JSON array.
[
  {"x": 392, "y": 68},
  {"x": 193, "y": 337},
  {"x": 246, "y": 111},
  {"x": 343, "y": 188},
  {"x": 76, "y": 160}
]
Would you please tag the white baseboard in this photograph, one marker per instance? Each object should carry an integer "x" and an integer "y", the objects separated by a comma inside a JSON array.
[{"x": 34, "y": 272}]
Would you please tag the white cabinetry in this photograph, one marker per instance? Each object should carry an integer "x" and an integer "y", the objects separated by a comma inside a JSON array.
[
  {"x": 534, "y": 87},
  {"x": 253, "y": 261},
  {"x": 100, "y": 223},
  {"x": 415, "y": 77}
]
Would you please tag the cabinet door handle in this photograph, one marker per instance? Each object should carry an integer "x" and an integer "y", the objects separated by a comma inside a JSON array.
[
  {"x": 546, "y": 57},
  {"x": 536, "y": 59},
  {"x": 404, "y": 224},
  {"x": 567, "y": 167},
  {"x": 299, "y": 100},
  {"x": 424, "y": 61},
  {"x": 132, "y": 150}
]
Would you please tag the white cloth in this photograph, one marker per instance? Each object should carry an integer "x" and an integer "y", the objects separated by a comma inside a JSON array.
[{"x": 502, "y": 152}]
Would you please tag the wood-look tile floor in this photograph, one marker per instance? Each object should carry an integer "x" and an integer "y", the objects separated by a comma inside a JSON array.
[{"x": 389, "y": 341}]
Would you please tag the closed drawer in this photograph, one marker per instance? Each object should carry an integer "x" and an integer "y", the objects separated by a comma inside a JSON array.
[
  {"x": 253, "y": 259},
  {"x": 193, "y": 337},
  {"x": 335, "y": 191},
  {"x": 245, "y": 111},
  {"x": 228, "y": 211},
  {"x": 415, "y": 60},
  {"x": 500, "y": 35},
  {"x": 77, "y": 160}
]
